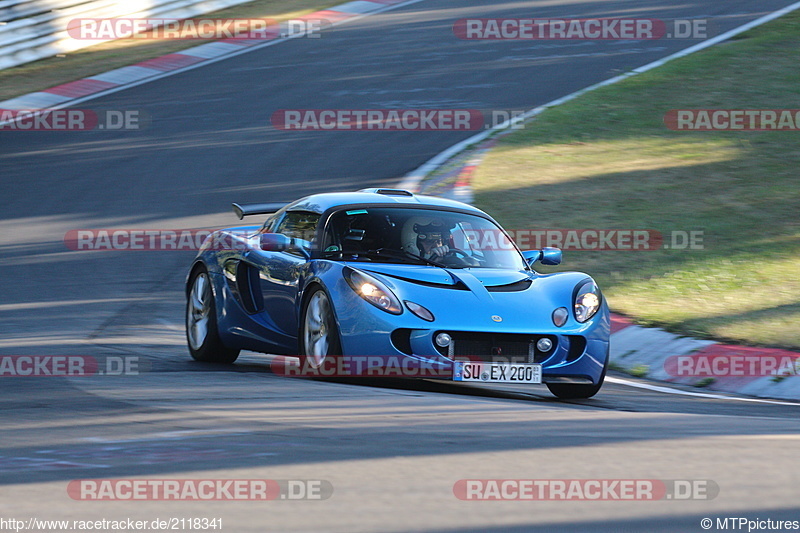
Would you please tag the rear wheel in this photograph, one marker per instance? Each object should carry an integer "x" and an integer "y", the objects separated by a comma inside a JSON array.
[
  {"x": 319, "y": 335},
  {"x": 201, "y": 323}
]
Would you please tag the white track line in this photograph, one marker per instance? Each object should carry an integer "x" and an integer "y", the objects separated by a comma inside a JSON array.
[{"x": 668, "y": 390}]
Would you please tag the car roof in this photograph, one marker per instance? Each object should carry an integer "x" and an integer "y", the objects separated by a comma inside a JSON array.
[{"x": 319, "y": 203}]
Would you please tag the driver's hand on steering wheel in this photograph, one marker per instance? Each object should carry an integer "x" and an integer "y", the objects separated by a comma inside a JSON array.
[{"x": 438, "y": 251}]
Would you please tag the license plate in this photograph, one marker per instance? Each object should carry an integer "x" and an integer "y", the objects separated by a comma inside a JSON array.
[{"x": 497, "y": 372}]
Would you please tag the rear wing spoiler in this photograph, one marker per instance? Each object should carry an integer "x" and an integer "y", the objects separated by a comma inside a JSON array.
[{"x": 257, "y": 209}]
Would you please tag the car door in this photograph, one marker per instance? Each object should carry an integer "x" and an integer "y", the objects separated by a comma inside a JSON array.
[{"x": 279, "y": 271}]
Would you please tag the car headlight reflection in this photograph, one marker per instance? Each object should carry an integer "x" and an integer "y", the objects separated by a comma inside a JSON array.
[
  {"x": 587, "y": 301},
  {"x": 373, "y": 291}
]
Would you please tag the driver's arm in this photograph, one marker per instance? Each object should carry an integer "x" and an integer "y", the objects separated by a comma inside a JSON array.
[{"x": 439, "y": 250}]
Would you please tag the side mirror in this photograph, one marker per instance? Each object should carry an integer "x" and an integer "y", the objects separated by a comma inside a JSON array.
[
  {"x": 275, "y": 242},
  {"x": 278, "y": 242},
  {"x": 551, "y": 256},
  {"x": 531, "y": 256},
  {"x": 547, "y": 256}
]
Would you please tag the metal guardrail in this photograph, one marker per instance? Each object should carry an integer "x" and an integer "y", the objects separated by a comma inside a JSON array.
[{"x": 36, "y": 29}]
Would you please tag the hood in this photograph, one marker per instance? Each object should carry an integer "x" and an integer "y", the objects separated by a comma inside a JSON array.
[
  {"x": 469, "y": 299},
  {"x": 422, "y": 274},
  {"x": 463, "y": 277},
  {"x": 492, "y": 277}
]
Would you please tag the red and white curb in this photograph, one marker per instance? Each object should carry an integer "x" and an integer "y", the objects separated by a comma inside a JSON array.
[
  {"x": 655, "y": 353},
  {"x": 122, "y": 78},
  {"x": 453, "y": 180}
]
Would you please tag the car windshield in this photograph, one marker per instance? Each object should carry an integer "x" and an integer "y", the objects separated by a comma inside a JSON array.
[{"x": 418, "y": 236}]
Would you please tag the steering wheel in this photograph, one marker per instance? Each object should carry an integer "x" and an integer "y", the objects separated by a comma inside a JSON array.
[{"x": 463, "y": 258}]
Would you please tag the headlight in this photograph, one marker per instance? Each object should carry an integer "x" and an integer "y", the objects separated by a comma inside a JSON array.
[
  {"x": 373, "y": 291},
  {"x": 587, "y": 301}
]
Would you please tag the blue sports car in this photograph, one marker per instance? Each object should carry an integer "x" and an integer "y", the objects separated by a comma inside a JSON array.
[{"x": 393, "y": 276}]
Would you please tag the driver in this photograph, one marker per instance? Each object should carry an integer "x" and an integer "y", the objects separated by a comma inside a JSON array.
[
  {"x": 428, "y": 238},
  {"x": 431, "y": 240}
]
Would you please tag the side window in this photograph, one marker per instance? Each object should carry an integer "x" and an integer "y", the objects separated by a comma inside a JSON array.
[
  {"x": 269, "y": 224},
  {"x": 299, "y": 225}
]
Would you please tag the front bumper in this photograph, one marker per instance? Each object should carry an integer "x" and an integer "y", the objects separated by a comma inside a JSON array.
[{"x": 579, "y": 353}]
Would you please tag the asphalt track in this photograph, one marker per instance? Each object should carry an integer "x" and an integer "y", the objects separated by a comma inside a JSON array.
[{"x": 391, "y": 450}]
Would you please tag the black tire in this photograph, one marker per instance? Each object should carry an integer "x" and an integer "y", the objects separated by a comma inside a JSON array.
[
  {"x": 569, "y": 391},
  {"x": 318, "y": 306},
  {"x": 206, "y": 347}
]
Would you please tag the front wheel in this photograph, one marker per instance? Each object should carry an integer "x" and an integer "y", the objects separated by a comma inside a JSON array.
[
  {"x": 201, "y": 323},
  {"x": 319, "y": 335}
]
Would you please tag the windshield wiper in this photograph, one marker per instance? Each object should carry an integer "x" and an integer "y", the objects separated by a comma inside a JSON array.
[{"x": 403, "y": 253}]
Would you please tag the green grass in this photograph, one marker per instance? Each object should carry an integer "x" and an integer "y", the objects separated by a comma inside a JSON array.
[
  {"x": 705, "y": 382},
  {"x": 53, "y": 71},
  {"x": 606, "y": 160}
]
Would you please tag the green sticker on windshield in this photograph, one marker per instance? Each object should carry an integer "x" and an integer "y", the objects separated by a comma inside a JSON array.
[{"x": 356, "y": 212}]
